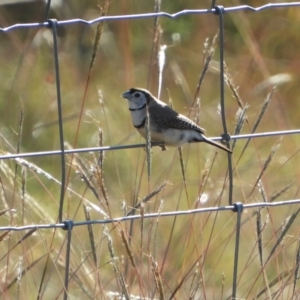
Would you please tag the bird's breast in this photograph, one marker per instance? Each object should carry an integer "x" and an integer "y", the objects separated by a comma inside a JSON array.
[{"x": 138, "y": 118}]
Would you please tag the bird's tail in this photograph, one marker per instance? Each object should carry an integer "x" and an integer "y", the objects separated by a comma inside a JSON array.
[{"x": 216, "y": 144}]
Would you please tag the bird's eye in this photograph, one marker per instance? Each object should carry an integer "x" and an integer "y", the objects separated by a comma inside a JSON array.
[{"x": 136, "y": 95}]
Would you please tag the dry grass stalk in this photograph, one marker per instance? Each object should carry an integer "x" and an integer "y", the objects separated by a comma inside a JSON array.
[
  {"x": 161, "y": 63},
  {"x": 297, "y": 267},
  {"x": 236, "y": 95},
  {"x": 156, "y": 225},
  {"x": 19, "y": 269},
  {"x": 197, "y": 113},
  {"x": 91, "y": 233},
  {"x": 259, "y": 232},
  {"x": 101, "y": 153},
  {"x": 289, "y": 221},
  {"x": 129, "y": 252},
  {"x": 24, "y": 272},
  {"x": 181, "y": 81},
  {"x": 142, "y": 230},
  {"x": 279, "y": 278},
  {"x": 157, "y": 34},
  {"x": 195, "y": 284},
  {"x": 127, "y": 248},
  {"x": 83, "y": 287},
  {"x": 20, "y": 134},
  {"x": 267, "y": 163},
  {"x": 262, "y": 191},
  {"x": 87, "y": 179},
  {"x": 147, "y": 198},
  {"x": 23, "y": 193},
  {"x": 33, "y": 203},
  {"x": 21, "y": 125},
  {"x": 205, "y": 174},
  {"x": 208, "y": 53},
  {"x": 279, "y": 192},
  {"x": 99, "y": 172},
  {"x": 259, "y": 235},
  {"x": 233, "y": 88},
  {"x": 4, "y": 235},
  {"x": 223, "y": 285},
  {"x": 260, "y": 116},
  {"x": 93, "y": 177},
  {"x": 157, "y": 279},
  {"x": 241, "y": 117},
  {"x": 99, "y": 31},
  {"x": 263, "y": 109},
  {"x": 81, "y": 168},
  {"x": 182, "y": 170},
  {"x": 118, "y": 273}
]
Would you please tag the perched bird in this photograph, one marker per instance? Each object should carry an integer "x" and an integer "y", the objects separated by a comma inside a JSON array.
[{"x": 166, "y": 125}]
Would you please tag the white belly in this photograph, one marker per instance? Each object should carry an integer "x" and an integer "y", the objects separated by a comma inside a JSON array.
[{"x": 172, "y": 137}]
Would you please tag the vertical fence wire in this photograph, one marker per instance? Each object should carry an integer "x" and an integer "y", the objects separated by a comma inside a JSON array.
[
  {"x": 53, "y": 25},
  {"x": 219, "y": 10},
  {"x": 238, "y": 208},
  {"x": 68, "y": 225}
]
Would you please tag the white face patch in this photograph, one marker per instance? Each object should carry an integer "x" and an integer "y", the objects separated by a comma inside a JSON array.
[{"x": 136, "y": 100}]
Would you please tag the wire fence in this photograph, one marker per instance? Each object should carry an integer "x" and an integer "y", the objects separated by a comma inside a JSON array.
[{"x": 62, "y": 152}]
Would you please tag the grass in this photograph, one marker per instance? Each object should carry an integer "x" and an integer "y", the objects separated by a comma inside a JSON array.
[{"x": 179, "y": 257}]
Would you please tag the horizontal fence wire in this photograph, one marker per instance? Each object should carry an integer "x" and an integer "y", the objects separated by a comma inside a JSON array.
[
  {"x": 69, "y": 224},
  {"x": 142, "y": 145},
  {"x": 155, "y": 15},
  {"x": 154, "y": 215}
]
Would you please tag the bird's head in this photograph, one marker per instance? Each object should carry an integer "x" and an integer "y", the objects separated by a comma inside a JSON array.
[{"x": 137, "y": 98}]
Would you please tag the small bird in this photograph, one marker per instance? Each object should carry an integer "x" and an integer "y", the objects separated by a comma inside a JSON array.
[{"x": 166, "y": 125}]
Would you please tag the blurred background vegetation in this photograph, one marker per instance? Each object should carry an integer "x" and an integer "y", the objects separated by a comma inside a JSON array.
[{"x": 192, "y": 254}]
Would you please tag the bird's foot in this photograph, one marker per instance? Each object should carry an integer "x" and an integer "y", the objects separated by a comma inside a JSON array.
[{"x": 163, "y": 147}]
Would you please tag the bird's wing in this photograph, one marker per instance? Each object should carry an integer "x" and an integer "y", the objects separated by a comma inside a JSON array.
[{"x": 169, "y": 118}]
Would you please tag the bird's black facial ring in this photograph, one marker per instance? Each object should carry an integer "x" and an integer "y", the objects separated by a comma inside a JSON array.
[
  {"x": 141, "y": 125},
  {"x": 134, "y": 109}
]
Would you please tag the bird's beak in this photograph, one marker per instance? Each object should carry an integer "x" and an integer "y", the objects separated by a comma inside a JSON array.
[{"x": 126, "y": 95}]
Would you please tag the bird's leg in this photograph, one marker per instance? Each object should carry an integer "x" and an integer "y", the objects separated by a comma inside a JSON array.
[{"x": 163, "y": 147}]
